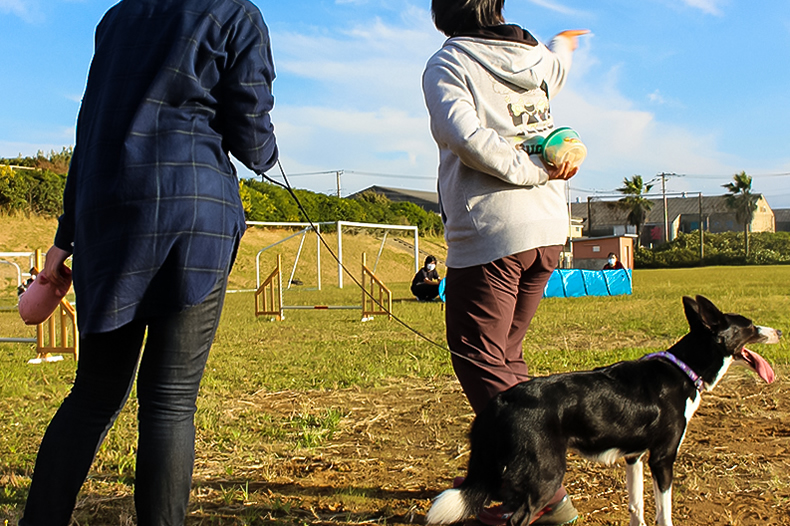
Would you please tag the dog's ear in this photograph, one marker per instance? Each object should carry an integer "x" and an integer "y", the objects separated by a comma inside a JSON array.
[
  {"x": 710, "y": 316},
  {"x": 692, "y": 312}
]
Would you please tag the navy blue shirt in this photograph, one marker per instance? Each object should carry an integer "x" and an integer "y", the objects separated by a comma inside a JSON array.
[{"x": 151, "y": 208}]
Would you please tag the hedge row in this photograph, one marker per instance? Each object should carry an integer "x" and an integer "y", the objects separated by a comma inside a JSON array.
[
  {"x": 268, "y": 202},
  {"x": 36, "y": 191},
  {"x": 765, "y": 248},
  {"x": 35, "y": 185}
]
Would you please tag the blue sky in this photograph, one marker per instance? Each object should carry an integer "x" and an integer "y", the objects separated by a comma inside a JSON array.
[{"x": 697, "y": 88}]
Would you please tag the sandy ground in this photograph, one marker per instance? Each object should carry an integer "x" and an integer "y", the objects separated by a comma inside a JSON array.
[{"x": 401, "y": 444}]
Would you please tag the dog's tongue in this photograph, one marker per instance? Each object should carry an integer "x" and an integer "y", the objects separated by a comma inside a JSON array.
[{"x": 758, "y": 363}]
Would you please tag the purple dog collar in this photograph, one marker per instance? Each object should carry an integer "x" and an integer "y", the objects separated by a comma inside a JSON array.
[{"x": 699, "y": 383}]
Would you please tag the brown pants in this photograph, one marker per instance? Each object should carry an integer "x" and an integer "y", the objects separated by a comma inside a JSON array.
[{"x": 488, "y": 310}]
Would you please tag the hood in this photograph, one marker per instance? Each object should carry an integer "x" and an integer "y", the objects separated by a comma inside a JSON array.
[{"x": 513, "y": 62}]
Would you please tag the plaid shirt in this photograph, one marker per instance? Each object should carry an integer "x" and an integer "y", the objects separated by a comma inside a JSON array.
[{"x": 152, "y": 211}]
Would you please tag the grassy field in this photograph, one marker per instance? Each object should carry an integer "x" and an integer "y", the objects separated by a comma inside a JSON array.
[{"x": 332, "y": 350}]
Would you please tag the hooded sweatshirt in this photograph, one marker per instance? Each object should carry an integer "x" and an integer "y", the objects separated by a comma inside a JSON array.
[{"x": 486, "y": 95}]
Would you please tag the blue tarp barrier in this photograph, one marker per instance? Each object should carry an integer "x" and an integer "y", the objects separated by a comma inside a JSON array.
[{"x": 574, "y": 283}]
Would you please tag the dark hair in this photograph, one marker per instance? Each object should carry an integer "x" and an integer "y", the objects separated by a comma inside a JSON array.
[
  {"x": 429, "y": 259},
  {"x": 611, "y": 254},
  {"x": 452, "y": 17}
]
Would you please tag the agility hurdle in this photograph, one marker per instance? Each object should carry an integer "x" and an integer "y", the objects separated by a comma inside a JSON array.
[
  {"x": 6, "y": 258},
  {"x": 51, "y": 339},
  {"x": 58, "y": 334},
  {"x": 269, "y": 296},
  {"x": 270, "y": 292},
  {"x": 372, "y": 288}
]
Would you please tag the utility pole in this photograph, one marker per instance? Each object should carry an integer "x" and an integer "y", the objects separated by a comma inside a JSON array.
[
  {"x": 663, "y": 177},
  {"x": 701, "y": 233},
  {"x": 338, "y": 174}
]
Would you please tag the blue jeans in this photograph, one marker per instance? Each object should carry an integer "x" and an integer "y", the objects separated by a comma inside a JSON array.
[{"x": 168, "y": 380}]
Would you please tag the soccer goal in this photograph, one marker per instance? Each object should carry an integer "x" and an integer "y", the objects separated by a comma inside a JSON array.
[{"x": 343, "y": 228}]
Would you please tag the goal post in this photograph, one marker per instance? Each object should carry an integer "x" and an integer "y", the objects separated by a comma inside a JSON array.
[
  {"x": 341, "y": 226},
  {"x": 377, "y": 226}
]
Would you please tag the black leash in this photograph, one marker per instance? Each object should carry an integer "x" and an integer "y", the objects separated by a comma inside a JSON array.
[{"x": 287, "y": 186}]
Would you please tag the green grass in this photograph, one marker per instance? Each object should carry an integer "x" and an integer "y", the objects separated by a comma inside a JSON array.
[
  {"x": 328, "y": 350},
  {"x": 333, "y": 349}
]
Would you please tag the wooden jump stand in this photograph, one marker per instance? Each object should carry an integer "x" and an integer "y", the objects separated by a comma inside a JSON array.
[
  {"x": 373, "y": 287},
  {"x": 58, "y": 334},
  {"x": 270, "y": 293},
  {"x": 376, "y": 297}
]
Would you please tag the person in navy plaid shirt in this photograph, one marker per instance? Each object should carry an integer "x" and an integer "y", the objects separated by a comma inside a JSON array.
[{"x": 153, "y": 218}]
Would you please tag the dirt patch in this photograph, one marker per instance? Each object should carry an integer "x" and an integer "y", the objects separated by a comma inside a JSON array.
[{"x": 399, "y": 445}]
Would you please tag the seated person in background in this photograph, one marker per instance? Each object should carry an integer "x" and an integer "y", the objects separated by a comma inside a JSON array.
[
  {"x": 613, "y": 263},
  {"x": 425, "y": 285},
  {"x": 23, "y": 287}
]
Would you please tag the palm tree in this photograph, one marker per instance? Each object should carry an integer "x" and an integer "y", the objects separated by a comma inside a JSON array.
[
  {"x": 635, "y": 201},
  {"x": 743, "y": 202}
]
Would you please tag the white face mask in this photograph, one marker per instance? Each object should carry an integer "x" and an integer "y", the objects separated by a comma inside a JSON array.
[
  {"x": 612, "y": 261},
  {"x": 431, "y": 266}
]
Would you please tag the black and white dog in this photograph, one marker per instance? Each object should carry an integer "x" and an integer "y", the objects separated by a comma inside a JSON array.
[{"x": 627, "y": 410}]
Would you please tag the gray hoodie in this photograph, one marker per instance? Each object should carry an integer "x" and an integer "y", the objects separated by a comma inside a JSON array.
[{"x": 484, "y": 98}]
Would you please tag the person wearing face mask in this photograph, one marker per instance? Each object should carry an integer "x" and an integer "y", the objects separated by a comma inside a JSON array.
[
  {"x": 612, "y": 263},
  {"x": 425, "y": 285}
]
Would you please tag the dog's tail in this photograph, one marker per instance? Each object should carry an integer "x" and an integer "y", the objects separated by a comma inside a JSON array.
[{"x": 454, "y": 505}]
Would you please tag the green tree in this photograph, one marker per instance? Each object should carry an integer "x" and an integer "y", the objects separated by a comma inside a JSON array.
[
  {"x": 264, "y": 201},
  {"x": 635, "y": 202},
  {"x": 15, "y": 190},
  {"x": 743, "y": 202}
]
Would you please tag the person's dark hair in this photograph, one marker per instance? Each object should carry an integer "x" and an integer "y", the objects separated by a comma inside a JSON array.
[
  {"x": 611, "y": 255},
  {"x": 429, "y": 259},
  {"x": 452, "y": 17}
]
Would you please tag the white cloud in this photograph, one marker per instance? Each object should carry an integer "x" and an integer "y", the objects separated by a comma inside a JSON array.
[
  {"x": 366, "y": 65},
  {"x": 620, "y": 135},
  {"x": 368, "y": 112},
  {"x": 12, "y": 6},
  {"x": 712, "y": 7},
  {"x": 388, "y": 140},
  {"x": 624, "y": 138},
  {"x": 656, "y": 97},
  {"x": 557, "y": 7},
  {"x": 27, "y": 10},
  {"x": 370, "y": 116},
  {"x": 15, "y": 7}
]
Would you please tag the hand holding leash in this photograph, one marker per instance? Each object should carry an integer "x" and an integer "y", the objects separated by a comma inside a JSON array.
[
  {"x": 55, "y": 270},
  {"x": 43, "y": 296}
]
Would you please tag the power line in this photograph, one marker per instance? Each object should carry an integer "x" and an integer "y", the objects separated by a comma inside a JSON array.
[
  {"x": 357, "y": 172},
  {"x": 397, "y": 176},
  {"x": 327, "y": 172},
  {"x": 706, "y": 176},
  {"x": 287, "y": 186}
]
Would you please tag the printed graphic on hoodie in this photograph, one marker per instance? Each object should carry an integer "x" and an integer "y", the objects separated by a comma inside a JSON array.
[{"x": 530, "y": 111}]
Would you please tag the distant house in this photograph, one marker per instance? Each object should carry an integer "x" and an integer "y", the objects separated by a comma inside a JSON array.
[
  {"x": 684, "y": 214},
  {"x": 782, "y": 219},
  {"x": 427, "y": 200},
  {"x": 592, "y": 253}
]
